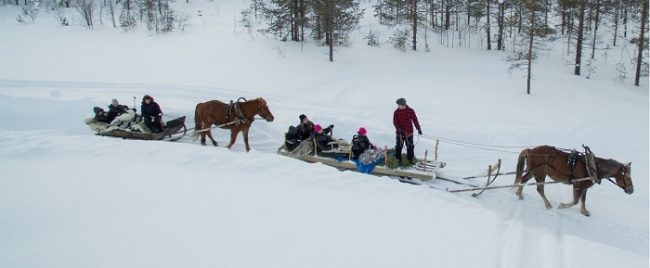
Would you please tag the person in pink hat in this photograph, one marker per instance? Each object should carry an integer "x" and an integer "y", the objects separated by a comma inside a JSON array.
[
  {"x": 360, "y": 143},
  {"x": 322, "y": 137}
]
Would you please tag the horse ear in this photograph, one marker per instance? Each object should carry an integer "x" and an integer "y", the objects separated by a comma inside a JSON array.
[{"x": 629, "y": 164}]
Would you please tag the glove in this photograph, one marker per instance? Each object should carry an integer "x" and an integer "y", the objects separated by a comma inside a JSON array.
[{"x": 419, "y": 132}]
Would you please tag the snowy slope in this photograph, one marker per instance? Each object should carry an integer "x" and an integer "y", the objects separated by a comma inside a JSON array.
[{"x": 72, "y": 199}]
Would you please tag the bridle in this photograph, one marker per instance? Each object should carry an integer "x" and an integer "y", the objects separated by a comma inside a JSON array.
[{"x": 260, "y": 109}]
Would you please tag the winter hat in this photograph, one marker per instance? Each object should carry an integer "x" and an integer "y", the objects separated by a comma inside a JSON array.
[
  {"x": 302, "y": 117},
  {"x": 401, "y": 101},
  {"x": 147, "y": 97},
  {"x": 362, "y": 131},
  {"x": 97, "y": 110},
  {"x": 114, "y": 102},
  {"x": 318, "y": 128}
]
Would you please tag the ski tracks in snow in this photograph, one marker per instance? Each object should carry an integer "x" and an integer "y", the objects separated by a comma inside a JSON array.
[{"x": 522, "y": 246}]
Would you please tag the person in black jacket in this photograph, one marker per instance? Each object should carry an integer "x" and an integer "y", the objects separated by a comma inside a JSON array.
[
  {"x": 151, "y": 114},
  {"x": 115, "y": 109},
  {"x": 360, "y": 143},
  {"x": 100, "y": 115},
  {"x": 322, "y": 137},
  {"x": 305, "y": 128}
]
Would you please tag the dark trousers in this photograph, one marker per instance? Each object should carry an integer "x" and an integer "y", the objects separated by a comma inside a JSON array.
[
  {"x": 153, "y": 123},
  {"x": 401, "y": 141}
]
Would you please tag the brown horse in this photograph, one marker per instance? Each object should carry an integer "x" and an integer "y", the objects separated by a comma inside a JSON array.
[
  {"x": 238, "y": 117},
  {"x": 549, "y": 161}
]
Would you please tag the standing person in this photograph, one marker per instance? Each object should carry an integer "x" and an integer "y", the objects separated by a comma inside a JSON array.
[
  {"x": 151, "y": 114},
  {"x": 403, "y": 119}
]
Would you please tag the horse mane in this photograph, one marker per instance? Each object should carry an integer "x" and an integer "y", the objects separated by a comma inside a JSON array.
[
  {"x": 262, "y": 100},
  {"x": 608, "y": 166}
]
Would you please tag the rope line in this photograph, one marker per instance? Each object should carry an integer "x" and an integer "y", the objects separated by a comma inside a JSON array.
[{"x": 472, "y": 145}]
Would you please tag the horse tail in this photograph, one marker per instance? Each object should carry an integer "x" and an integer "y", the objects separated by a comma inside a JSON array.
[
  {"x": 521, "y": 163},
  {"x": 197, "y": 122}
]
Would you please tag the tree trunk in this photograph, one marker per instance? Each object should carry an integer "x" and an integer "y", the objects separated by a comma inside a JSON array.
[
  {"x": 569, "y": 30},
  {"x": 487, "y": 28},
  {"x": 625, "y": 20},
  {"x": 469, "y": 14},
  {"x": 295, "y": 29},
  {"x": 500, "y": 21},
  {"x": 593, "y": 43},
  {"x": 639, "y": 59},
  {"x": 563, "y": 21},
  {"x": 546, "y": 12},
  {"x": 302, "y": 20},
  {"x": 531, "y": 35},
  {"x": 329, "y": 25},
  {"x": 581, "y": 26},
  {"x": 447, "y": 16},
  {"x": 159, "y": 8},
  {"x": 521, "y": 17},
  {"x": 414, "y": 22},
  {"x": 616, "y": 11},
  {"x": 590, "y": 15}
]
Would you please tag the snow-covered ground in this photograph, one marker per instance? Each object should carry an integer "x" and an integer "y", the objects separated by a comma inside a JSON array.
[{"x": 69, "y": 198}]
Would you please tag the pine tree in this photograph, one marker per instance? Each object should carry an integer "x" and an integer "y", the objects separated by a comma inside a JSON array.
[
  {"x": 287, "y": 18},
  {"x": 397, "y": 12},
  {"x": 536, "y": 32},
  {"x": 337, "y": 18}
]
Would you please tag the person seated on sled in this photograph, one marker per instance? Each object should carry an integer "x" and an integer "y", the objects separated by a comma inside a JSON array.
[
  {"x": 126, "y": 115},
  {"x": 151, "y": 114},
  {"x": 101, "y": 116},
  {"x": 322, "y": 138},
  {"x": 115, "y": 109},
  {"x": 305, "y": 128},
  {"x": 360, "y": 143}
]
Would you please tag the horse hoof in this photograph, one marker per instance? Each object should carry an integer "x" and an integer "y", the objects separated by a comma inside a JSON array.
[
  {"x": 215, "y": 144},
  {"x": 586, "y": 213},
  {"x": 549, "y": 207}
]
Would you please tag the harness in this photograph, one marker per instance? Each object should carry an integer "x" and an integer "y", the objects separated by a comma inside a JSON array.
[
  {"x": 590, "y": 161},
  {"x": 234, "y": 113},
  {"x": 571, "y": 164}
]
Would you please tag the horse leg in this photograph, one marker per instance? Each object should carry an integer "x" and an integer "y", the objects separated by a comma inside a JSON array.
[
  {"x": 211, "y": 138},
  {"x": 245, "y": 132},
  {"x": 576, "y": 197},
  {"x": 520, "y": 188},
  {"x": 583, "y": 208},
  {"x": 540, "y": 190},
  {"x": 233, "y": 137},
  {"x": 202, "y": 138}
]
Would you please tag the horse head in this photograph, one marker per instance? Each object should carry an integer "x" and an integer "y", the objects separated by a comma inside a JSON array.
[
  {"x": 622, "y": 174},
  {"x": 263, "y": 110}
]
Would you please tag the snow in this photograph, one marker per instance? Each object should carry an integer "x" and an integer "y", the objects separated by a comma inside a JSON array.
[{"x": 72, "y": 199}]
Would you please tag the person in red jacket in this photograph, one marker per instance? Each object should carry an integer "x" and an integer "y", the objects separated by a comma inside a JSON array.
[{"x": 404, "y": 118}]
